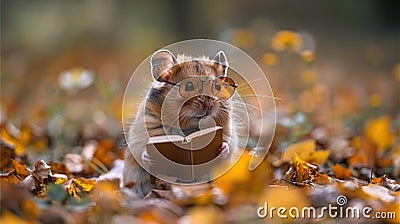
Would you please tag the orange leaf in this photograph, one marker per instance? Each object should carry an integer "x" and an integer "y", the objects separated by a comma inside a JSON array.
[
  {"x": 321, "y": 178},
  {"x": 341, "y": 172},
  {"x": 378, "y": 131},
  {"x": 365, "y": 155},
  {"x": 30, "y": 210},
  {"x": 20, "y": 169},
  {"x": 59, "y": 168}
]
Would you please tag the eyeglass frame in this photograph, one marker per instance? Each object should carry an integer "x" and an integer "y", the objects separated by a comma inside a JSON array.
[{"x": 202, "y": 84}]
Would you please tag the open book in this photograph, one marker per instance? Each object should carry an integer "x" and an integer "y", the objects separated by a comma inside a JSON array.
[{"x": 186, "y": 158}]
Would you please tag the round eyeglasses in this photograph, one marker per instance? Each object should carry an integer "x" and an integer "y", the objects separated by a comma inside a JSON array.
[{"x": 221, "y": 88}]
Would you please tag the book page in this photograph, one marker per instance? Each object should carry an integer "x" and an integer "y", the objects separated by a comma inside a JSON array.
[
  {"x": 202, "y": 132},
  {"x": 165, "y": 138}
]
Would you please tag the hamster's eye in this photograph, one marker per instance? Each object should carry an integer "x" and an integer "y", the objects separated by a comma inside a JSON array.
[
  {"x": 217, "y": 87},
  {"x": 189, "y": 86}
]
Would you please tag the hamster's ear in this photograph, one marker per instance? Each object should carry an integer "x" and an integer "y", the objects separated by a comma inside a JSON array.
[
  {"x": 161, "y": 61},
  {"x": 220, "y": 57}
]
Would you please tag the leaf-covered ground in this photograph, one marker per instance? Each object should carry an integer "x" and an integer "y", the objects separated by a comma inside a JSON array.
[{"x": 85, "y": 187}]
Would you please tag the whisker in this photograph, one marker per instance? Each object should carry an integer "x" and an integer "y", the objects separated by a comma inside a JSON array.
[
  {"x": 260, "y": 95},
  {"x": 251, "y": 107},
  {"x": 248, "y": 83},
  {"x": 240, "y": 119}
]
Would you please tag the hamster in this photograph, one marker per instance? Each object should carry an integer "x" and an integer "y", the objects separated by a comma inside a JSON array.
[{"x": 185, "y": 110}]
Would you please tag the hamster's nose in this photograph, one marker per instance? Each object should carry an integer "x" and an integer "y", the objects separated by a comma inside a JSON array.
[{"x": 207, "y": 105}]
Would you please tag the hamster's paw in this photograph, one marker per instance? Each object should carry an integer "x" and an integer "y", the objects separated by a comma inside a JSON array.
[
  {"x": 147, "y": 160},
  {"x": 224, "y": 150}
]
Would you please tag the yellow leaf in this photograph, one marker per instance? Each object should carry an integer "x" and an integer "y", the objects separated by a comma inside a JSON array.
[
  {"x": 86, "y": 184},
  {"x": 318, "y": 157},
  {"x": 78, "y": 187},
  {"x": 378, "y": 131},
  {"x": 59, "y": 178},
  {"x": 237, "y": 174},
  {"x": 302, "y": 149},
  {"x": 240, "y": 178},
  {"x": 204, "y": 214},
  {"x": 8, "y": 217},
  {"x": 19, "y": 148},
  {"x": 30, "y": 210}
]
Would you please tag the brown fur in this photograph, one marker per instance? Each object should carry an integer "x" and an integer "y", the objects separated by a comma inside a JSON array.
[{"x": 151, "y": 121}]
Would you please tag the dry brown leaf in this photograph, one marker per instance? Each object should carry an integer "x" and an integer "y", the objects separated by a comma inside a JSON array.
[
  {"x": 60, "y": 168},
  {"x": 17, "y": 175},
  {"x": 321, "y": 178},
  {"x": 302, "y": 172},
  {"x": 42, "y": 170},
  {"x": 386, "y": 182},
  {"x": 365, "y": 153},
  {"x": 340, "y": 172},
  {"x": 21, "y": 169},
  {"x": 105, "y": 152},
  {"x": 6, "y": 154}
]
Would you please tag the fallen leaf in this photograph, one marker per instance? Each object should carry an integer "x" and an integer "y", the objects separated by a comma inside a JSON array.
[
  {"x": 305, "y": 151},
  {"x": 152, "y": 209},
  {"x": 74, "y": 163},
  {"x": 340, "y": 171},
  {"x": 318, "y": 157},
  {"x": 58, "y": 167},
  {"x": 6, "y": 154},
  {"x": 30, "y": 209},
  {"x": 17, "y": 175},
  {"x": 42, "y": 170},
  {"x": 378, "y": 131},
  {"x": 8, "y": 217},
  {"x": 302, "y": 172},
  {"x": 302, "y": 149},
  {"x": 321, "y": 178},
  {"x": 365, "y": 153},
  {"x": 21, "y": 169},
  {"x": 203, "y": 214},
  {"x": 240, "y": 178},
  {"x": 79, "y": 187},
  {"x": 386, "y": 182},
  {"x": 379, "y": 192}
]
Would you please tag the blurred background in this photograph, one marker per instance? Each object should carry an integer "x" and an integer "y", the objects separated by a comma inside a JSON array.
[
  {"x": 65, "y": 64},
  {"x": 334, "y": 67}
]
